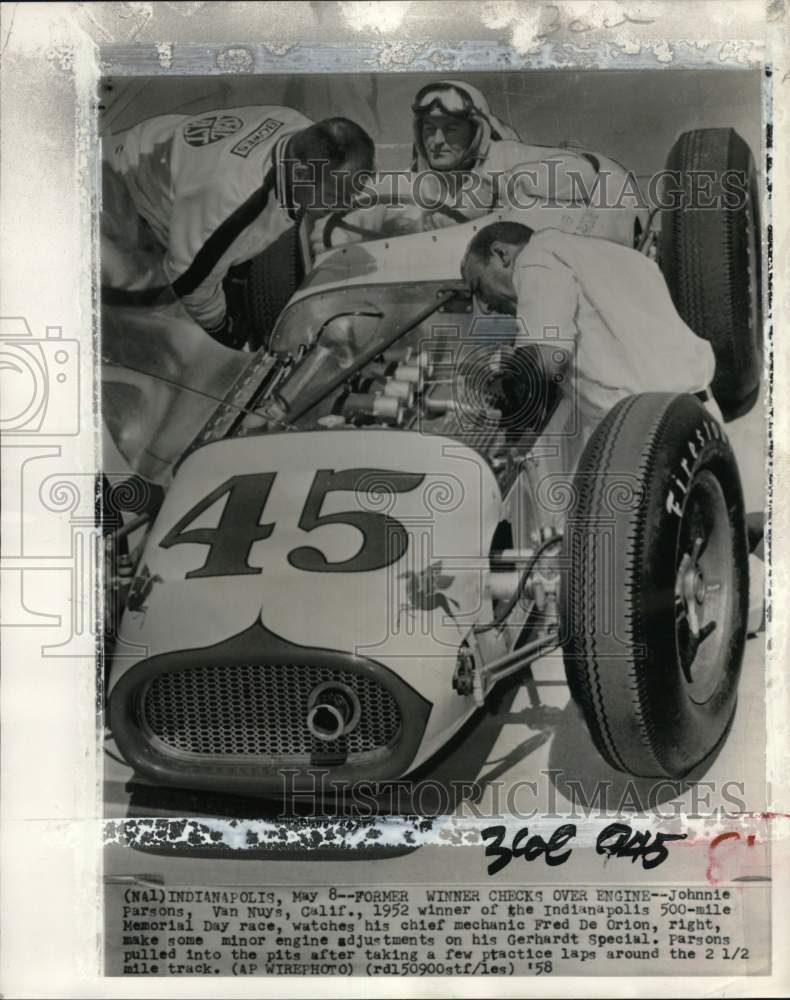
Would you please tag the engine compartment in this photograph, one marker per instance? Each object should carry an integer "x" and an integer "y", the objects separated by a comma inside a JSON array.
[{"x": 417, "y": 357}]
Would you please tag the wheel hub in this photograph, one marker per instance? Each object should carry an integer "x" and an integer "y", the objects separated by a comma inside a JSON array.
[
  {"x": 702, "y": 599},
  {"x": 691, "y": 592}
]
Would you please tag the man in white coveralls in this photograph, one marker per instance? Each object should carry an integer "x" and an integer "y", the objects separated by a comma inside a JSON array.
[
  {"x": 609, "y": 302},
  {"x": 187, "y": 197},
  {"x": 613, "y": 305}
]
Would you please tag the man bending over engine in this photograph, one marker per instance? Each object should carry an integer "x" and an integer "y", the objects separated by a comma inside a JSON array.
[
  {"x": 600, "y": 315},
  {"x": 187, "y": 197}
]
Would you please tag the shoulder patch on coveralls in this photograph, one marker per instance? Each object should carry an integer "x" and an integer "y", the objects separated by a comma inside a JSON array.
[
  {"x": 258, "y": 135},
  {"x": 210, "y": 128}
]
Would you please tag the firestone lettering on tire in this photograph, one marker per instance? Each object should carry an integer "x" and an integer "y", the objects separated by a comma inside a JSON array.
[{"x": 713, "y": 432}]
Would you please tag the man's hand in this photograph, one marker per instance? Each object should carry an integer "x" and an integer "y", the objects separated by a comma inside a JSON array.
[{"x": 228, "y": 333}]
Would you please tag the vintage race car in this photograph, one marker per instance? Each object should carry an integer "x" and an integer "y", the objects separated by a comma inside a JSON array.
[{"x": 329, "y": 551}]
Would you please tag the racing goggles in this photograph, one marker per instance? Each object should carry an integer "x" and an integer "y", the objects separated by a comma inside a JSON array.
[{"x": 444, "y": 99}]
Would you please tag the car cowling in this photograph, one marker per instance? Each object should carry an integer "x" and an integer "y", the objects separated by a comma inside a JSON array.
[{"x": 283, "y": 562}]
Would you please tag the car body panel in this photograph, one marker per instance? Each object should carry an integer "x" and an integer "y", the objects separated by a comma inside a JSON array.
[
  {"x": 410, "y": 615},
  {"x": 162, "y": 379},
  {"x": 387, "y": 260}
]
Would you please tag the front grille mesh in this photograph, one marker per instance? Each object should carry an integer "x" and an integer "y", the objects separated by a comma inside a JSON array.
[{"x": 249, "y": 710}]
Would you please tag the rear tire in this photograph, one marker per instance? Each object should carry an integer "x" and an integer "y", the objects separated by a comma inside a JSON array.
[
  {"x": 655, "y": 607},
  {"x": 258, "y": 292},
  {"x": 711, "y": 258}
]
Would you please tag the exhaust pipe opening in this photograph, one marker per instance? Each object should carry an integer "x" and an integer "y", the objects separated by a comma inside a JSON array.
[
  {"x": 333, "y": 711},
  {"x": 325, "y": 723}
]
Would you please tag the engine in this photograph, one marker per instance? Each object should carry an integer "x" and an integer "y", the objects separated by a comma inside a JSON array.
[{"x": 425, "y": 362}]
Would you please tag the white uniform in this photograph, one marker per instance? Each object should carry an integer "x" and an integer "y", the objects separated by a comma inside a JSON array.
[
  {"x": 209, "y": 188},
  {"x": 610, "y": 304},
  {"x": 607, "y": 308},
  {"x": 505, "y": 173}
]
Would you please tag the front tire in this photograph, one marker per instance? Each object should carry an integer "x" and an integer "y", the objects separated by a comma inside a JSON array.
[{"x": 655, "y": 606}]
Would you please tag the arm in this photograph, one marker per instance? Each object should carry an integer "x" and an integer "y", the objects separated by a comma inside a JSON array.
[
  {"x": 553, "y": 174},
  {"x": 194, "y": 219},
  {"x": 548, "y": 298}
]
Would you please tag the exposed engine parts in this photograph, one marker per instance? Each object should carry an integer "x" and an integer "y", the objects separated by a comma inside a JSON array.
[
  {"x": 439, "y": 380},
  {"x": 464, "y": 675}
]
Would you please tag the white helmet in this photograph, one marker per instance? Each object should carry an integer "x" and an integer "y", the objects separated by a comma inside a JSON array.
[{"x": 454, "y": 99}]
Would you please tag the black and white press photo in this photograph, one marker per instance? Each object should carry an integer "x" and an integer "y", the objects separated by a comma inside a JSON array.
[
  {"x": 434, "y": 463},
  {"x": 397, "y": 502}
]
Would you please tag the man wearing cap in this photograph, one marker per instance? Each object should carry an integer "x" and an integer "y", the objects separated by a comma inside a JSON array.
[{"x": 187, "y": 197}]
